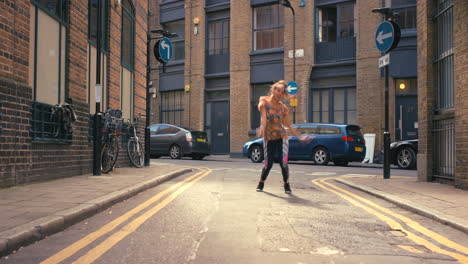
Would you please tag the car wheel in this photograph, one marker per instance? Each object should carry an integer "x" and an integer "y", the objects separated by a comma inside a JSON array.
[
  {"x": 340, "y": 163},
  {"x": 256, "y": 154},
  {"x": 321, "y": 156},
  {"x": 406, "y": 158},
  {"x": 175, "y": 152}
]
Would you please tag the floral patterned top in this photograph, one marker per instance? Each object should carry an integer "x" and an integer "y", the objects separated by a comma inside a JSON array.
[{"x": 274, "y": 124}]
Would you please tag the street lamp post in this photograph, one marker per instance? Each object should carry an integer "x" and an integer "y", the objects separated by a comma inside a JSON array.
[
  {"x": 149, "y": 38},
  {"x": 97, "y": 115},
  {"x": 287, "y": 3}
]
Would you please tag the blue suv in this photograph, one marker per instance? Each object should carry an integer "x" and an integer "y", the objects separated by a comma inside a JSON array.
[{"x": 340, "y": 143}]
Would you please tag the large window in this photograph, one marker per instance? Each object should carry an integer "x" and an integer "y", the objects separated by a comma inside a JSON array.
[
  {"x": 268, "y": 27},
  {"x": 128, "y": 34},
  {"x": 172, "y": 107},
  {"x": 218, "y": 37},
  {"x": 443, "y": 54},
  {"x": 49, "y": 51},
  {"x": 257, "y": 91},
  {"x": 406, "y": 10},
  {"x": 334, "y": 105},
  {"x": 327, "y": 24},
  {"x": 128, "y": 58},
  {"x": 178, "y": 42},
  {"x": 335, "y": 22},
  {"x": 48, "y": 47}
]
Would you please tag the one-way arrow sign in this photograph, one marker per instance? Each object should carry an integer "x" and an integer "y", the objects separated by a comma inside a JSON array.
[
  {"x": 387, "y": 36},
  {"x": 383, "y": 36}
]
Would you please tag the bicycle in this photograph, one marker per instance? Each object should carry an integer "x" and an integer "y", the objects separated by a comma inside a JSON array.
[
  {"x": 110, "y": 143},
  {"x": 135, "y": 150}
]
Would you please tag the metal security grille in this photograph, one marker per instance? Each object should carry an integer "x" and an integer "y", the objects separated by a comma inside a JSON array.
[
  {"x": 172, "y": 108},
  {"x": 444, "y": 130},
  {"x": 46, "y": 126},
  {"x": 443, "y": 54},
  {"x": 444, "y": 149}
]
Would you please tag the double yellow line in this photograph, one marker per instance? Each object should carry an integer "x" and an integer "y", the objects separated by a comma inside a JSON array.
[
  {"x": 379, "y": 213},
  {"x": 107, "y": 244}
]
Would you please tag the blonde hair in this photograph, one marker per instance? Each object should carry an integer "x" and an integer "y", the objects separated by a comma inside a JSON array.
[{"x": 280, "y": 82}]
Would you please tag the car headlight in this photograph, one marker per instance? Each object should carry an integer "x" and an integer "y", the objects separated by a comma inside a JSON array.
[{"x": 393, "y": 145}]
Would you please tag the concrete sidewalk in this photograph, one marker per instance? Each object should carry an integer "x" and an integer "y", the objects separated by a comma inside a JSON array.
[
  {"x": 440, "y": 202},
  {"x": 33, "y": 211}
]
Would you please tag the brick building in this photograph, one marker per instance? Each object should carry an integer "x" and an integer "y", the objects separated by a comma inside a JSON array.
[
  {"x": 48, "y": 56},
  {"x": 230, "y": 52},
  {"x": 443, "y": 88}
]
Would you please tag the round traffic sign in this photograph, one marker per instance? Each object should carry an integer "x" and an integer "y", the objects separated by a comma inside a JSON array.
[
  {"x": 292, "y": 88},
  {"x": 387, "y": 36},
  {"x": 163, "y": 50}
]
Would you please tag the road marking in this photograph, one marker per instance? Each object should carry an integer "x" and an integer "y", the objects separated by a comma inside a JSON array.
[
  {"x": 107, "y": 244},
  {"x": 392, "y": 223},
  {"x": 323, "y": 173},
  {"x": 413, "y": 224},
  {"x": 78, "y": 245}
]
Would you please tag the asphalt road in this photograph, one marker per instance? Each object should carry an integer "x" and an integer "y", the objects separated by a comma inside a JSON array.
[{"x": 214, "y": 215}]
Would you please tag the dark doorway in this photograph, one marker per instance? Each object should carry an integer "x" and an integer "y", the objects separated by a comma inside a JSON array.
[
  {"x": 406, "y": 116},
  {"x": 406, "y": 109},
  {"x": 220, "y": 128}
]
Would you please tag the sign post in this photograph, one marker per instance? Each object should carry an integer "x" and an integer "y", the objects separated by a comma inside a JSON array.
[
  {"x": 387, "y": 37},
  {"x": 292, "y": 90}
]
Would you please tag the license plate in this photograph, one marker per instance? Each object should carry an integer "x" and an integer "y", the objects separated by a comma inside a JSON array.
[
  {"x": 358, "y": 149},
  {"x": 201, "y": 140}
]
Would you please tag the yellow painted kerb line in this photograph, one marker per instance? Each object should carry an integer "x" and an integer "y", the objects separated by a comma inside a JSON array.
[
  {"x": 107, "y": 244},
  {"x": 78, "y": 245},
  {"x": 413, "y": 224},
  {"x": 392, "y": 223}
]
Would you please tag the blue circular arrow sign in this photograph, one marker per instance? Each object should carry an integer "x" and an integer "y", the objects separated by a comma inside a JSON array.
[
  {"x": 163, "y": 50},
  {"x": 292, "y": 88},
  {"x": 387, "y": 36}
]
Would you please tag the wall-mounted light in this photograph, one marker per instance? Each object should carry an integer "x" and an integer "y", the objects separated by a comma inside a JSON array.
[
  {"x": 302, "y": 3},
  {"x": 117, "y": 3},
  {"x": 196, "y": 21},
  {"x": 402, "y": 86}
]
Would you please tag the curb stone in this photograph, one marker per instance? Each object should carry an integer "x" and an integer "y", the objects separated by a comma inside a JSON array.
[
  {"x": 23, "y": 235},
  {"x": 440, "y": 217}
]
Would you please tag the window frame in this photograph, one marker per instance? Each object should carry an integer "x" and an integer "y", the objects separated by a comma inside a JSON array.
[
  {"x": 168, "y": 111},
  {"x": 130, "y": 14},
  {"x": 280, "y": 26},
  {"x": 444, "y": 57},
  {"x": 42, "y": 111},
  {"x": 220, "y": 37},
  {"x": 330, "y": 111}
]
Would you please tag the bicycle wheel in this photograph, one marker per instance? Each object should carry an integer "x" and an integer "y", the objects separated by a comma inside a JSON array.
[
  {"x": 135, "y": 153},
  {"x": 109, "y": 155}
]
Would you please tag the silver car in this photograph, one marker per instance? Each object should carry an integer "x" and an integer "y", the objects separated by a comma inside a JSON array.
[{"x": 177, "y": 142}]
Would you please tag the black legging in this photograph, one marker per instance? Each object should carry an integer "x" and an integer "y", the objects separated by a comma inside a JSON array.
[{"x": 271, "y": 147}]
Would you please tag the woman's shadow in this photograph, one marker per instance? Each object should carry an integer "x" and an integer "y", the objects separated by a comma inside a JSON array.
[{"x": 293, "y": 199}]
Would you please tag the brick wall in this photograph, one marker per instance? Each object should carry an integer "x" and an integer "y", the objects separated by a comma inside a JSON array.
[
  {"x": 241, "y": 45},
  {"x": 370, "y": 85},
  {"x": 425, "y": 89},
  {"x": 460, "y": 9},
  {"x": 24, "y": 160}
]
